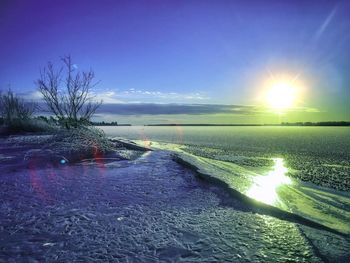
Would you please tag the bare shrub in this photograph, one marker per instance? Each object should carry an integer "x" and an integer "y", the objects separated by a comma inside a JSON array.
[
  {"x": 80, "y": 143},
  {"x": 14, "y": 109}
]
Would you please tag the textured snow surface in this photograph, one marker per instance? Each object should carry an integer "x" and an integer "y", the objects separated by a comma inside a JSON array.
[
  {"x": 146, "y": 210},
  {"x": 325, "y": 206}
]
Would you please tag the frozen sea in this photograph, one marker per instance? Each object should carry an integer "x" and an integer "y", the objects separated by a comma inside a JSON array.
[
  {"x": 303, "y": 170},
  {"x": 316, "y": 154},
  {"x": 152, "y": 209}
]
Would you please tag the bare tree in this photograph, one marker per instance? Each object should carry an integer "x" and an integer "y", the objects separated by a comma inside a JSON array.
[{"x": 68, "y": 97}]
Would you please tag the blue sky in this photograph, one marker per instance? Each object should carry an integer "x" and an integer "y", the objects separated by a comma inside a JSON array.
[{"x": 185, "y": 52}]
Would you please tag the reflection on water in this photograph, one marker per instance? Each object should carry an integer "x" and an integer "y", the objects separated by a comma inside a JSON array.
[{"x": 264, "y": 188}]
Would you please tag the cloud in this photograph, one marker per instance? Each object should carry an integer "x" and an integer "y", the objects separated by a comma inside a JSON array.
[
  {"x": 113, "y": 105},
  {"x": 190, "y": 109},
  {"x": 114, "y": 96},
  {"x": 160, "y": 109},
  {"x": 306, "y": 109},
  {"x": 31, "y": 96},
  {"x": 107, "y": 96},
  {"x": 151, "y": 96}
]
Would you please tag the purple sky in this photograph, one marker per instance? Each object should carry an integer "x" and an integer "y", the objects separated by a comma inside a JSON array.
[{"x": 187, "y": 52}]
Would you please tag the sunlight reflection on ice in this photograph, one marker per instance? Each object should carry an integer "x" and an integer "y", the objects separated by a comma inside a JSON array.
[{"x": 264, "y": 188}]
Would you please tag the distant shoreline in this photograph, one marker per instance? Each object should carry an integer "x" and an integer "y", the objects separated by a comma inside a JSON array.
[{"x": 283, "y": 124}]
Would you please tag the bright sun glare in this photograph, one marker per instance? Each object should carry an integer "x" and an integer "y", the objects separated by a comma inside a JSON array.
[
  {"x": 264, "y": 188},
  {"x": 281, "y": 95}
]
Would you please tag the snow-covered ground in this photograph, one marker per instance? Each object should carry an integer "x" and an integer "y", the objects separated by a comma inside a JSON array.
[{"x": 145, "y": 209}]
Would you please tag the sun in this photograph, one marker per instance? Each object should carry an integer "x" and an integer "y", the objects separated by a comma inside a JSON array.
[{"x": 281, "y": 95}]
